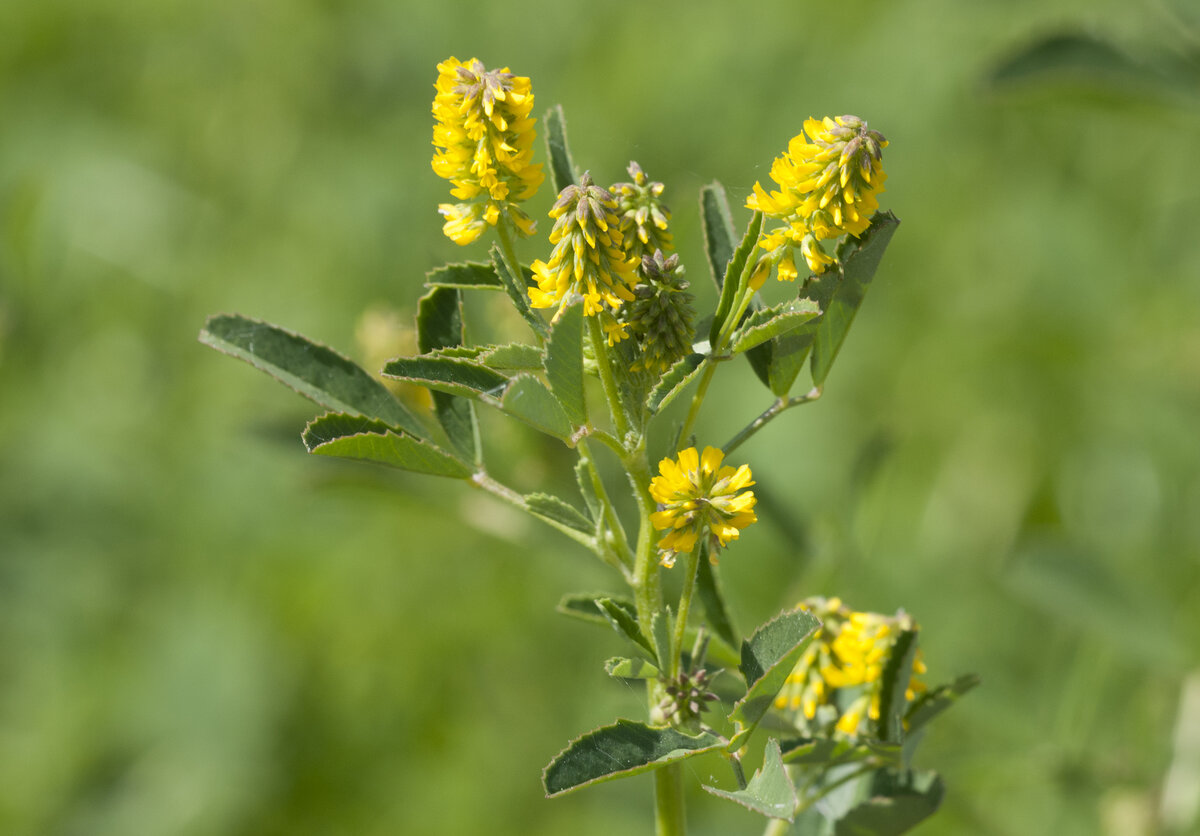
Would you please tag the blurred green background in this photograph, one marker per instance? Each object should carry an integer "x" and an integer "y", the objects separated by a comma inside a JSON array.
[{"x": 205, "y": 631}]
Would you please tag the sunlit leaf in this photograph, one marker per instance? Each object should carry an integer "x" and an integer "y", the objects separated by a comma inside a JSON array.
[
  {"x": 768, "y": 323},
  {"x": 562, "y": 167},
  {"x": 564, "y": 362},
  {"x": 375, "y": 442},
  {"x": 447, "y": 374},
  {"x": 622, "y": 668},
  {"x": 768, "y": 657},
  {"x": 732, "y": 273},
  {"x": 720, "y": 237},
  {"x": 471, "y": 274},
  {"x": 528, "y": 399},
  {"x": 769, "y": 791}
]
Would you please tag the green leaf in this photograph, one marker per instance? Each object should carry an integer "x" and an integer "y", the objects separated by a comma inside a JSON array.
[
  {"x": 448, "y": 374},
  {"x": 828, "y": 751},
  {"x": 317, "y": 372},
  {"x": 768, "y": 323},
  {"x": 562, "y": 167},
  {"x": 767, "y": 658},
  {"x": 932, "y": 703},
  {"x": 564, "y": 362},
  {"x": 899, "y": 802},
  {"x": 787, "y": 357},
  {"x": 376, "y": 443},
  {"x": 769, "y": 792},
  {"x": 708, "y": 588},
  {"x": 674, "y": 382},
  {"x": 553, "y": 508},
  {"x": 511, "y": 357},
  {"x": 619, "y": 667},
  {"x": 858, "y": 269},
  {"x": 584, "y": 606},
  {"x": 472, "y": 274},
  {"x": 625, "y": 748},
  {"x": 733, "y": 272},
  {"x": 518, "y": 291},
  {"x": 626, "y": 625},
  {"x": 719, "y": 233},
  {"x": 440, "y": 326},
  {"x": 528, "y": 399},
  {"x": 893, "y": 685}
]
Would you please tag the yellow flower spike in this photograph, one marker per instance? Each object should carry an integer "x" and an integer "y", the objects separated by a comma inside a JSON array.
[
  {"x": 698, "y": 497},
  {"x": 484, "y": 138}
]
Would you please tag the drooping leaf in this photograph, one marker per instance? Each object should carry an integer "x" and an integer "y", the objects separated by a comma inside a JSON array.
[
  {"x": 562, "y": 167},
  {"x": 552, "y": 508},
  {"x": 932, "y": 703},
  {"x": 377, "y": 443},
  {"x": 828, "y": 751},
  {"x": 511, "y": 357},
  {"x": 529, "y": 400},
  {"x": 768, "y": 657},
  {"x": 674, "y": 382},
  {"x": 768, "y": 323},
  {"x": 584, "y": 606},
  {"x": 317, "y": 372},
  {"x": 621, "y": 668},
  {"x": 626, "y": 625},
  {"x": 708, "y": 589},
  {"x": 720, "y": 237},
  {"x": 447, "y": 374},
  {"x": 440, "y": 326},
  {"x": 517, "y": 288},
  {"x": 859, "y": 264},
  {"x": 625, "y": 748},
  {"x": 732, "y": 273},
  {"x": 769, "y": 792},
  {"x": 564, "y": 362},
  {"x": 899, "y": 801},
  {"x": 472, "y": 274},
  {"x": 893, "y": 685}
]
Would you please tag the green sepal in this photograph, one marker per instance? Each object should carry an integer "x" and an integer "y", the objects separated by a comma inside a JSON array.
[
  {"x": 355, "y": 437},
  {"x": 625, "y": 748},
  {"x": 768, "y": 657},
  {"x": 893, "y": 684},
  {"x": 562, "y": 167},
  {"x": 619, "y": 667},
  {"x": 552, "y": 508},
  {"x": 511, "y": 357},
  {"x": 319, "y": 373},
  {"x": 674, "y": 381},
  {"x": 861, "y": 259},
  {"x": 720, "y": 237},
  {"x": 625, "y": 623},
  {"x": 564, "y": 362},
  {"x": 584, "y": 606},
  {"x": 528, "y": 399},
  {"x": 932, "y": 703},
  {"x": 733, "y": 272},
  {"x": 769, "y": 791},
  {"x": 440, "y": 326},
  {"x": 768, "y": 323},
  {"x": 451, "y": 375},
  {"x": 830, "y": 751},
  {"x": 708, "y": 589},
  {"x": 518, "y": 291},
  {"x": 473, "y": 275},
  {"x": 898, "y": 802}
]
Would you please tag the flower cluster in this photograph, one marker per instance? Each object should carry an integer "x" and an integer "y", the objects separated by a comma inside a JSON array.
[
  {"x": 698, "y": 497},
  {"x": 644, "y": 216},
  {"x": 484, "y": 136},
  {"x": 660, "y": 315},
  {"x": 828, "y": 187},
  {"x": 838, "y": 679},
  {"x": 587, "y": 259}
]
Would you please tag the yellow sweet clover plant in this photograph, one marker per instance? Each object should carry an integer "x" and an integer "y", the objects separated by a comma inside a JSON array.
[{"x": 823, "y": 698}]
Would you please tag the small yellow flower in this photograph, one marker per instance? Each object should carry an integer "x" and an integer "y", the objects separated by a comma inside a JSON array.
[
  {"x": 828, "y": 183},
  {"x": 696, "y": 496},
  {"x": 587, "y": 259},
  {"x": 484, "y": 139}
]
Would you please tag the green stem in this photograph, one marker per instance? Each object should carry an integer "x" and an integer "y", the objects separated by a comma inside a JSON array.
[
  {"x": 697, "y": 399},
  {"x": 768, "y": 415},
  {"x": 691, "y": 561},
  {"x": 669, "y": 812},
  {"x": 612, "y": 523},
  {"x": 604, "y": 364}
]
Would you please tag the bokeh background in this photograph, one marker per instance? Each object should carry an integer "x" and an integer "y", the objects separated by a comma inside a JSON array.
[{"x": 204, "y": 631}]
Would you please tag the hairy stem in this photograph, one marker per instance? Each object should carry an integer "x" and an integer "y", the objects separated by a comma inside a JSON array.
[
  {"x": 767, "y": 416},
  {"x": 604, "y": 363},
  {"x": 691, "y": 561}
]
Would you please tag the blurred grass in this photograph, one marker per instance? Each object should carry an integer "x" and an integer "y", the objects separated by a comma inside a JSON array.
[{"x": 203, "y": 631}]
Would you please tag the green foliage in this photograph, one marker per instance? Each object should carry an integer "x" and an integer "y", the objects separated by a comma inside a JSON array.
[
  {"x": 769, "y": 791},
  {"x": 471, "y": 275},
  {"x": 720, "y": 238},
  {"x": 770, "y": 323},
  {"x": 562, "y": 168},
  {"x": 529, "y": 400},
  {"x": 898, "y": 802},
  {"x": 768, "y": 657},
  {"x": 564, "y": 363},
  {"x": 374, "y": 441},
  {"x": 733, "y": 272}
]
